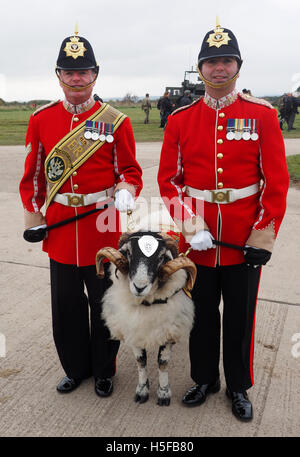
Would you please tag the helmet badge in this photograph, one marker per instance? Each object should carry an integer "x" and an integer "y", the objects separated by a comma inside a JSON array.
[
  {"x": 75, "y": 48},
  {"x": 219, "y": 37}
]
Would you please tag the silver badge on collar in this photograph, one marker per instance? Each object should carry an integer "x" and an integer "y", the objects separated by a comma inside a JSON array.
[{"x": 148, "y": 245}]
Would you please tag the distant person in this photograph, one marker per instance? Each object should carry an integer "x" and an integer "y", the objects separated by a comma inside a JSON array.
[
  {"x": 166, "y": 108},
  {"x": 290, "y": 107},
  {"x": 80, "y": 152},
  {"x": 186, "y": 99},
  {"x": 282, "y": 111},
  {"x": 146, "y": 107},
  {"x": 160, "y": 111}
]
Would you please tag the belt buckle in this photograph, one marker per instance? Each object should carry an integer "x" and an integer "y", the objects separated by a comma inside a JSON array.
[
  {"x": 220, "y": 196},
  {"x": 75, "y": 200}
]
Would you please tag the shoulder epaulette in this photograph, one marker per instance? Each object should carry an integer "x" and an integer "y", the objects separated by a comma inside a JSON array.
[
  {"x": 259, "y": 101},
  {"x": 41, "y": 108},
  {"x": 185, "y": 106}
]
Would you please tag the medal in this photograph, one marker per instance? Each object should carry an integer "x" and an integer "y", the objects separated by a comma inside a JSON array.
[
  {"x": 101, "y": 130},
  {"x": 230, "y": 129},
  {"x": 87, "y": 135},
  {"x": 95, "y": 132},
  {"x": 109, "y": 130},
  {"x": 88, "y": 130},
  {"x": 254, "y": 134},
  {"x": 246, "y": 131},
  {"x": 246, "y": 136},
  {"x": 238, "y": 131}
]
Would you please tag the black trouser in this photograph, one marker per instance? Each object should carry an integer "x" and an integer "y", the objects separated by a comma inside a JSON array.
[
  {"x": 238, "y": 285},
  {"x": 82, "y": 340},
  {"x": 290, "y": 120}
]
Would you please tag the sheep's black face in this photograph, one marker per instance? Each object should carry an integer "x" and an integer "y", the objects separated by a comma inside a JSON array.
[{"x": 146, "y": 253}]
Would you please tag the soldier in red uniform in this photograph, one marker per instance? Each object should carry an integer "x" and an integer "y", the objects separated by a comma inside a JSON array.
[
  {"x": 224, "y": 171},
  {"x": 80, "y": 153}
]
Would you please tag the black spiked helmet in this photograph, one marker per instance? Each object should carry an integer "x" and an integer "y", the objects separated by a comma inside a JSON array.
[
  {"x": 219, "y": 42},
  {"x": 76, "y": 53}
]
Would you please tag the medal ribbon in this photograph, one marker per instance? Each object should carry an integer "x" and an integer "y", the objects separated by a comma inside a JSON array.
[
  {"x": 236, "y": 123},
  {"x": 241, "y": 125},
  {"x": 230, "y": 125},
  {"x": 88, "y": 125}
]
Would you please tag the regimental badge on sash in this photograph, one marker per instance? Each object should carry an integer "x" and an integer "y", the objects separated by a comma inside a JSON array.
[
  {"x": 238, "y": 129},
  {"x": 57, "y": 165}
]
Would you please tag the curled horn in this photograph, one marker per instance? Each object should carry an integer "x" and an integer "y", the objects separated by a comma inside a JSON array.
[
  {"x": 123, "y": 239},
  {"x": 113, "y": 256},
  {"x": 170, "y": 244},
  {"x": 176, "y": 264}
]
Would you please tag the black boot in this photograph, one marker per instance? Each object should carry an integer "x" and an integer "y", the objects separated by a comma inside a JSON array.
[
  {"x": 198, "y": 393},
  {"x": 241, "y": 405},
  {"x": 103, "y": 387},
  {"x": 67, "y": 385}
]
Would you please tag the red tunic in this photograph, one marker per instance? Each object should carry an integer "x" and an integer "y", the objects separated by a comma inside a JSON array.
[
  {"x": 197, "y": 153},
  {"x": 113, "y": 164}
]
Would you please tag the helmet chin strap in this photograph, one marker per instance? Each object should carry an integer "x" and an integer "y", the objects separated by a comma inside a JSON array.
[
  {"x": 75, "y": 89},
  {"x": 218, "y": 85}
]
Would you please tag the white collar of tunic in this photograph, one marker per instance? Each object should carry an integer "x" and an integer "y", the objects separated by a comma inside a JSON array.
[
  {"x": 81, "y": 108},
  {"x": 220, "y": 102}
]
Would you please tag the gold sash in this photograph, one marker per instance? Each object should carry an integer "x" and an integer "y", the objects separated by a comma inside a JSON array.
[{"x": 73, "y": 150}]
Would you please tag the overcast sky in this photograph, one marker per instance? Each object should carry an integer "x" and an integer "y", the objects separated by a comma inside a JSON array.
[{"x": 144, "y": 46}]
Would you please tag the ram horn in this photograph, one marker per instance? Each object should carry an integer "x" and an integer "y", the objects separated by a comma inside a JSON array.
[
  {"x": 170, "y": 244},
  {"x": 114, "y": 256},
  {"x": 174, "y": 265}
]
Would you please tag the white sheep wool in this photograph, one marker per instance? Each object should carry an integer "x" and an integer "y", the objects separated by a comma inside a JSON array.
[{"x": 148, "y": 245}]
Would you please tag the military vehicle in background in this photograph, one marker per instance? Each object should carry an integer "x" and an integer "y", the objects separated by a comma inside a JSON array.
[{"x": 196, "y": 88}]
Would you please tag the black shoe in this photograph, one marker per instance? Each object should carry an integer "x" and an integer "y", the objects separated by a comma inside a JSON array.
[
  {"x": 104, "y": 387},
  {"x": 198, "y": 393},
  {"x": 241, "y": 405},
  {"x": 67, "y": 384}
]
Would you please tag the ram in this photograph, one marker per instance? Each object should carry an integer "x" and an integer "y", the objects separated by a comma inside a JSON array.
[{"x": 148, "y": 303}]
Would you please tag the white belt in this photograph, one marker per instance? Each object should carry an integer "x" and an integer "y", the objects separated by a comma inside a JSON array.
[
  {"x": 83, "y": 199},
  {"x": 222, "y": 195}
]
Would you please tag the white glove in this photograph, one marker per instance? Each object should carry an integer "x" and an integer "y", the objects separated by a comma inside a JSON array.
[
  {"x": 124, "y": 201},
  {"x": 202, "y": 241}
]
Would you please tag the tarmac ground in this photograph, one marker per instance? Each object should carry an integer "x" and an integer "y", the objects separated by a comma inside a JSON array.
[{"x": 30, "y": 369}]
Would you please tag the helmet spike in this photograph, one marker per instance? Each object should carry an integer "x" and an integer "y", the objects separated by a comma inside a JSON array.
[
  {"x": 217, "y": 22},
  {"x": 76, "y": 29}
]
